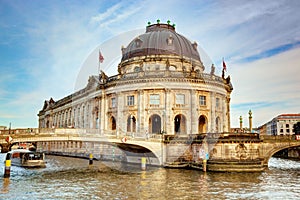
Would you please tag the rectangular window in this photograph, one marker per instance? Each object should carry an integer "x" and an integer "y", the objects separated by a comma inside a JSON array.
[
  {"x": 130, "y": 100},
  {"x": 217, "y": 103},
  {"x": 113, "y": 102},
  {"x": 202, "y": 100},
  {"x": 180, "y": 99},
  {"x": 154, "y": 99}
]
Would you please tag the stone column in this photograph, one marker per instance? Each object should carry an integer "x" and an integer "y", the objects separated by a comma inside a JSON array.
[
  {"x": 118, "y": 118},
  {"x": 102, "y": 118},
  {"x": 99, "y": 114},
  {"x": 250, "y": 121},
  {"x": 213, "y": 112},
  {"x": 241, "y": 123},
  {"x": 168, "y": 120},
  {"x": 228, "y": 113},
  {"x": 193, "y": 111},
  {"x": 140, "y": 113}
]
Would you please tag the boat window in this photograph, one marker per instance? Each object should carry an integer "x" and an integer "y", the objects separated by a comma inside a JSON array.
[{"x": 16, "y": 155}]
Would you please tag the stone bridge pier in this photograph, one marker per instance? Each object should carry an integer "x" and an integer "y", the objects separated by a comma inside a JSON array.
[{"x": 226, "y": 152}]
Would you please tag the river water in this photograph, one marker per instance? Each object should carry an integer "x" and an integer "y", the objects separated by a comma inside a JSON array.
[{"x": 72, "y": 178}]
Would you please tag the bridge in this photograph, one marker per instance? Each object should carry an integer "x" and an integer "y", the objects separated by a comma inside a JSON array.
[{"x": 223, "y": 152}]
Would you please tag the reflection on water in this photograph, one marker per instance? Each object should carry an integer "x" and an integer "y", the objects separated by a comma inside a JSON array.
[{"x": 72, "y": 178}]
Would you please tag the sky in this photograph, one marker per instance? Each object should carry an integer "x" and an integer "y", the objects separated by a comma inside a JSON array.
[{"x": 46, "y": 45}]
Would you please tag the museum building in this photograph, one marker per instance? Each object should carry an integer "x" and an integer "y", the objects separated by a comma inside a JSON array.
[{"x": 160, "y": 87}]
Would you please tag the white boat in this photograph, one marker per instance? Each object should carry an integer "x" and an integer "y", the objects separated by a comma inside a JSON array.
[{"x": 27, "y": 158}]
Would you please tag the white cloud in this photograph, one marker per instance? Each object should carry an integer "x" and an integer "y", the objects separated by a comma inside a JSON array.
[
  {"x": 272, "y": 80},
  {"x": 115, "y": 14},
  {"x": 107, "y": 14},
  {"x": 63, "y": 43}
]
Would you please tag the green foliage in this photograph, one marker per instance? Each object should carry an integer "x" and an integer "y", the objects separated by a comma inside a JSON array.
[{"x": 296, "y": 128}]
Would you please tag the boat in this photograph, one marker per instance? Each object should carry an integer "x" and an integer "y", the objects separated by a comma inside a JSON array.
[{"x": 26, "y": 158}]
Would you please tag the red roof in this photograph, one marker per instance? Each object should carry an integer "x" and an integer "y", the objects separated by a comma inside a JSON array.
[
  {"x": 289, "y": 115},
  {"x": 285, "y": 116}
]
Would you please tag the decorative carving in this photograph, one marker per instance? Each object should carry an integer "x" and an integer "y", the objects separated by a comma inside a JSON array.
[
  {"x": 170, "y": 40},
  {"x": 137, "y": 69},
  {"x": 195, "y": 45},
  {"x": 138, "y": 42},
  {"x": 212, "y": 71},
  {"x": 228, "y": 79},
  {"x": 123, "y": 49},
  {"x": 167, "y": 64},
  {"x": 241, "y": 151},
  {"x": 103, "y": 77}
]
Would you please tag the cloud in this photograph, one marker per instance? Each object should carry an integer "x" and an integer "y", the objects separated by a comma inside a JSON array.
[
  {"x": 269, "y": 86},
  {"x": 107, "y": 14},
  {"x": 257, "y": 38},
  {"x": 116, "y": 13},
  {"x": 241, "y": 29},
  {"x": 271, "y": 52}
]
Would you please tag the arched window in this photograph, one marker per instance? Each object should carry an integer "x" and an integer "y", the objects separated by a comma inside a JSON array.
[
  {"x": 180, "y": 124},
  {"x": 113, "y": 123},
  {"x": 131, "y": 124},
  {"x": 202, "y": 124},
  {"x": 155, "y": 124}
]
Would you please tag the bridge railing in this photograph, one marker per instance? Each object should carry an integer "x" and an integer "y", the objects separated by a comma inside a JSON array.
[
  {"x": 19, "y": 131},
  {"x": 97, "y": 132},
  {"x": 279, "y": 138}
]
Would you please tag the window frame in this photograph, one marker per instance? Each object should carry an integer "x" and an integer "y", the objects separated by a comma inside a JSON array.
[
  {"x": 154, "y": 99},
  {"x": 218, "y": 103},
  {"x": 202, "y": 100},
  {"x": 180, "y": 99},
  {"x": 113, "y": 102},
  {"x": 130, "y": 100}
]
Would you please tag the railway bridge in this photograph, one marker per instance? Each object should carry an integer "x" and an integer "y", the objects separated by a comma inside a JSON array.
[{"x": 222, "y": 151}]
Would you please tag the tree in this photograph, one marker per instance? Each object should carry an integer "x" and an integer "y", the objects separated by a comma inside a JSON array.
[{"x": 296, "y": 128}]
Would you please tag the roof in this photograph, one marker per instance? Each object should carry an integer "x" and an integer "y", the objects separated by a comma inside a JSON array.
[
  {"x": 288, "y": 116},
  {"x": 161, "y": 39}
]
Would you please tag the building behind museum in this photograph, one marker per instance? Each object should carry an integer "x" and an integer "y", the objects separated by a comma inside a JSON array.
[
  {"x": 160, "y": 87},
  {"x": 280, "y": 125}
]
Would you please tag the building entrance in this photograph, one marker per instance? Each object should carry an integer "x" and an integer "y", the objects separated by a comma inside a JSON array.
[
  {"x": 155, "y": 124},
  {"x": 180, "y": 124}
]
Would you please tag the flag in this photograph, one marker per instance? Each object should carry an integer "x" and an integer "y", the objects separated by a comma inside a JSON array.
[
  {"x": 8, "y": 139},
  {"x": 101, "y": 58},
  {"x": 224, "y": 65}
]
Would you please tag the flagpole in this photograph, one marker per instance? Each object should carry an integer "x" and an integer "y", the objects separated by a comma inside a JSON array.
[
  {"x": 224, "y": 68},
  {"x": 99, "y": 67}
]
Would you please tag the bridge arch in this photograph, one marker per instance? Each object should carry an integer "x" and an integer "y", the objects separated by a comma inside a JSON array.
[
  {"x": 273, "y": 150},
  {"x": 77, "y": 145},
  {"x": 134, "y": 152}
]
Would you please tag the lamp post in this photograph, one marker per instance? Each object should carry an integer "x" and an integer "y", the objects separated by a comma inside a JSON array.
[
  {"x": 250, "y": 121},
  {"x": 241, "y": 122}
]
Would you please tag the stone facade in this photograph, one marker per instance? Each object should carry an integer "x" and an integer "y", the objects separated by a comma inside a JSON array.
[{"x": 161, "y": 87}]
